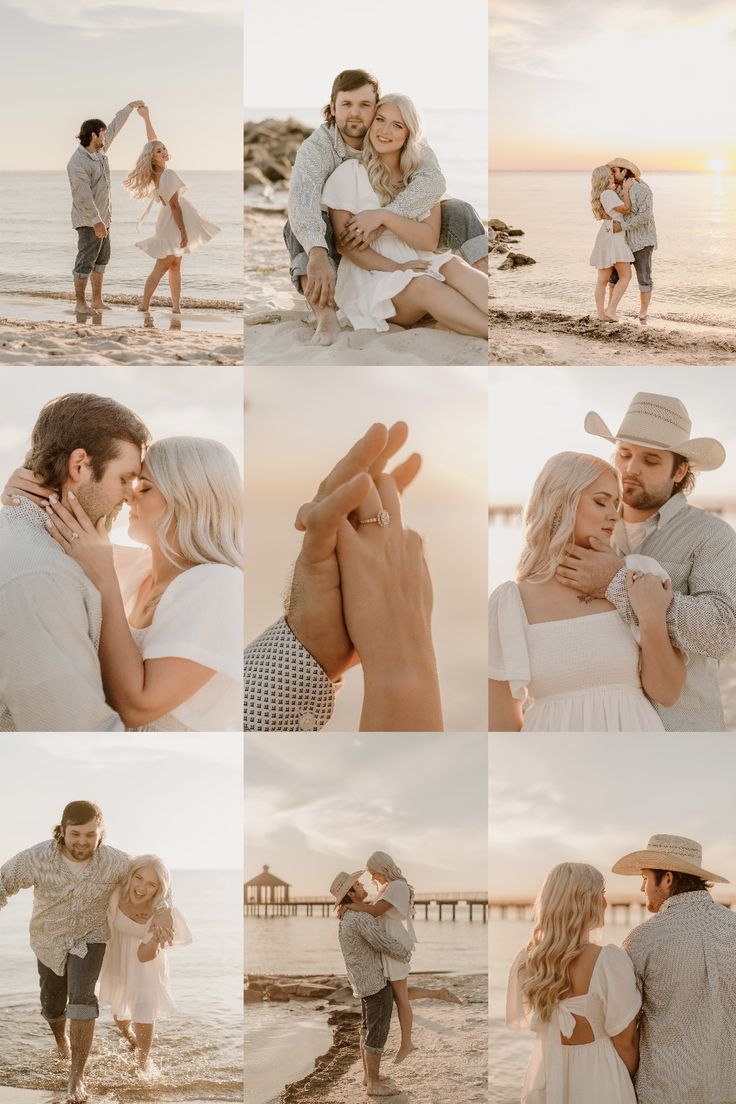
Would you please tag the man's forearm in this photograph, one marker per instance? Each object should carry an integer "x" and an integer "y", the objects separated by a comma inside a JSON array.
[{"x": 702, "y": 624}]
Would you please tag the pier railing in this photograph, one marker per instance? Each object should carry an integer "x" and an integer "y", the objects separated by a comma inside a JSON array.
[
  {"x": 446, "y": 904},
  {"x": 624, "y": 910}
]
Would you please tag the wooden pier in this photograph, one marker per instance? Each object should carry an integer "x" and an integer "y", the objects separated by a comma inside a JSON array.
[
  {"x": 621, "y": 910},
  {"x": 447, "y": 905}
]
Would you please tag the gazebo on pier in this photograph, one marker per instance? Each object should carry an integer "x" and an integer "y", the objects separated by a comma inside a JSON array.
[{"x": 268, "y": 891}]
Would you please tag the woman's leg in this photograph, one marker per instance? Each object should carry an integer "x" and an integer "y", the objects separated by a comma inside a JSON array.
[
  {"x": 406, "y": 1018},
  {"x": 124, "y": 1028},
  {"x": 447, "y": 306},
  {"x": 624, "y": 276},
  {"x": 600, "y": 292},
  {"x": 468, "y": 281},
  {"x": 159, "y": 268},
  {"x": 175, "y": 284},
  {"x": 144, "y": 1041},
  {"x": 415, "y": 992}
]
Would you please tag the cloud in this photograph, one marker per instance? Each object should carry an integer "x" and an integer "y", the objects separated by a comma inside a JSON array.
[{"x": 97, "y": 18}]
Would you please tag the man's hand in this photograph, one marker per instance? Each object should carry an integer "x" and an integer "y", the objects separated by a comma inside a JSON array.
[
  {"x": 361, "y": 230},
  {"x": 589, "y": 570},
  {"x": 314, "y": 607},
  {"x": 162, "y": 927},
  {"x": 136, "y": 103},
  {"x": 100, "y": 230},
  {"x": 617, "y": 227},
  {"x": 320, "y": 289}
]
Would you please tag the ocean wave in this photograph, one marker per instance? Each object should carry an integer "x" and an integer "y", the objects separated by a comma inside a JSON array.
[{"x": 129, "y": 299}]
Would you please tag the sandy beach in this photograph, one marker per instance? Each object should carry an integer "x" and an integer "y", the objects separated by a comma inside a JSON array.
[{"x": 451, "y": 1063}]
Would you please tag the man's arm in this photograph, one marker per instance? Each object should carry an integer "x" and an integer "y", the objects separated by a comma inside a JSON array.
[
  {"x": 374, "y": 933},
  {"x": 286, "y": 690},
  {"x": 314, "y": 162},
  {"x": 644, "y": 209},
  {"x": 119, "y": 122},
  {"x": 16, "y": 874},
  {"x": 82, "y": 193},
  {"x": 49, "y": 674},
  {"x": 426, "y": 188}
]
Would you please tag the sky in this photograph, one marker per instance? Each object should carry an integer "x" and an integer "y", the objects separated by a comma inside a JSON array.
[
  {"x": 171, "y": 401},
  {"x": 77, "y": 59},
  {"x": 320, "y": 805},
  {"x": 581, "y": 799},
  {"x": 420, "y": 47},
  {"x": 572, "y": 84},
  {"x": 179, "y": 796}
]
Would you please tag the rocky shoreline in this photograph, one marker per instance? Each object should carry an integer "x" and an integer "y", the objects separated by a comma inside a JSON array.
[{"x": 501, "y": 239}]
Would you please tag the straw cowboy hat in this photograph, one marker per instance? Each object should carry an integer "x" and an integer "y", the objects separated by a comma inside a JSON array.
[
  {"x": 660, "y": 422},
  {"x": 623, "y": 163},
  {"x": 668, "y": 853},
  {"x": 342, "y": 883}
]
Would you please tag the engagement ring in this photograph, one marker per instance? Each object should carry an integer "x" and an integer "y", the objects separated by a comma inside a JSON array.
[{"x": 382, "y": 518}]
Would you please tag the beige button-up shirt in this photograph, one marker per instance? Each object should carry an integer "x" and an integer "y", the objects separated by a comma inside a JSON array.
[
  {"x": 50, "y": 622},
  {"x": 362, "y": 939},
  {"x": 685, "y": 963},
  {"x": 89, "y": 179}
]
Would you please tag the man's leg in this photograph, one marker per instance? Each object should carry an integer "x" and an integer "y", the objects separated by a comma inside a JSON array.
[
  {"x": 377, "y": 1020},
  {"x": 327, "y": 325},
  {"x": 82, "y": 1011},
  {"x": 53, "y": 1005},
  {"x": 643, "y": 267},
  {"x": 87, "y": 250},
  {"x": 98, "y": 274},
  {"x": 463, "y": 232}
]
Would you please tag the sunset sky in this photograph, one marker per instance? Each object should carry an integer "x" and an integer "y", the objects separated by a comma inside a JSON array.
[{"x": 572, "y": 84}]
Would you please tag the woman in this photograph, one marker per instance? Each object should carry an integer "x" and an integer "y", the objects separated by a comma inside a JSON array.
[
  {"x": 134, "y": 979},
  {"x": 172, "y": 613},
  {"x": 610, "y": 250},
  {"x": 581, "y": 1000},
  {"x": 399, "y": 278},
  {"x": 394, "y": 906},
  {"x": 179, "y": 229},
  {"x": 570, "y": 657}
]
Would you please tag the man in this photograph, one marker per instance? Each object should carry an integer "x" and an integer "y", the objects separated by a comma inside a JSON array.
[
  {"x": 308, "y": 233},
  {"x": 88, "y": 447},
  {"x": 657, "y": 458},
  {"x": 73, "y": 876},
  {"x": 684, "y": 958},
  {"x": 362, "y": 939},
  {"x": 641, "y": 233},
  {"x": 89, "y": 177}
]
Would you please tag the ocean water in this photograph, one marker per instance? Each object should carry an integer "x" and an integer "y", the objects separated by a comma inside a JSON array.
[
  {"x": 694, "y": 274},
  {"x": 39, "y": 245},
  {"x": 199, "y": 1050},
  {"x": 459, "y": 138}
]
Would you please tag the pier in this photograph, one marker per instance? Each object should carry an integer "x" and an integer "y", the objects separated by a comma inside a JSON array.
[
  {"x": 621, "y": 910},
  {"x": 446, "y": 904}
]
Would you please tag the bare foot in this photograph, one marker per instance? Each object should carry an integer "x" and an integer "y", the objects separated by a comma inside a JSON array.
[
  {"x": 144, "y": 310},
  {"x": 82, "y": 307},
  {"x": 603, "y": 317},
  {"x": 327, "y": 327},
  {"x": 611, "y": 318},
  {"x": 643, "y": 319},
  {"x": 379, "y": 1088},
  {"x": 76, "y": 1092},
  {"x": 445, "y": 995},
  {"x": 404, "y": 1052},
  {"x": 62, "y": 1048},
  {"x": 100, "y": 305}
]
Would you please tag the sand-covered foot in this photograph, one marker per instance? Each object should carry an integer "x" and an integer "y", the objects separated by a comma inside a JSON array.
[
  {"x": 403, "y": 1053},
  {"x": 445, "y": 995},
  {"x": 82, "y": 307},
  {"x": 327, "y": 328},
  {"x": 76, "y": 1092},
  {"x": 380, "y": 1088},
  {"x": 101, "y": 305},
  {"x": 643, "y": 319}
]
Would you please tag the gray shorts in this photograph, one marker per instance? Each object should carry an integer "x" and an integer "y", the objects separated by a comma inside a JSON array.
[
  {"x": 93, "y": 253},
  {"x": 643, "y": 268},
  {"x": 75, "y": 986},
  {"x": 377, "y": 1019}
]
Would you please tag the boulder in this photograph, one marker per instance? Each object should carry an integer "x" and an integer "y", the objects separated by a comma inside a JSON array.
[
  {"x": 516, "y": 260},
  {"x": 270, "y": 148},
  {"x": 496, "y": 224}
]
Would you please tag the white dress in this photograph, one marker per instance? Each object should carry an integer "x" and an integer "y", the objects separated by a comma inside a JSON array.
[
  {"x": 365, "y": 297},
  {"x": 589, "y": 1073},
  {"x": 609, "y": 247},
  {"x": 166, "y": 236},
  {"x": 199, "y": 617},
  {"x": 137, "y": 991},
  {"x": 398, "y": 924},
  {"x": 579, "y": 674}
]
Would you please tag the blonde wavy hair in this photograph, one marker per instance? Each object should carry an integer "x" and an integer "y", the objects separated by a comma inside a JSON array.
[
  {"x": 203, "y": 519},
  {"x": 162, "y": 873},
  {"x": 600, "y": 181},
  {"x": 140, "y": 181},
  {"x": 379, "y": 173},
  {"x": 382, "y": 863},
  {"x": 568, "y": 908},
  {"x": 549, "y": 518}
]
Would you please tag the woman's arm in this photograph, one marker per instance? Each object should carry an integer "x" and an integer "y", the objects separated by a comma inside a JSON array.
[
  {"x": 145, "y": 114},
  {"x": 419, "y": 235},
  {"x": 148, "y": 951},
  {"x": 376, "y": 909},
  {"x": 627, "y": 1046},
  {"x": 625, "y": 207},
  {"x": 504, "y": 711},
  {"x": 363, "y": 258},
  {"x": 178, "y": 219},
  {"x": 662, "y": 665}
]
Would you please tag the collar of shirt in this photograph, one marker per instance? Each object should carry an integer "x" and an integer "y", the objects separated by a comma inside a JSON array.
[
  {"x": 686, "y": 900},
  {"x": 663, "y": 516}
]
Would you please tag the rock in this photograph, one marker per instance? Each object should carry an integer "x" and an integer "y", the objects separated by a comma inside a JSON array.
[
  {"x": 496, "y": 224},
  {"x": 252, "y": 996},
  {"x": 254, "y": 178},
  {"x": 270, "y": 148},
  {"x": 515, "y": 260},
  {"x": 515, "y": 233}
]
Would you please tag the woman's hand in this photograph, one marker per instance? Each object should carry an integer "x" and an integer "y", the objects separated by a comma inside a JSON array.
[
  {"x": 362, "y": 229},
  {"x": 628, "y": 182},
  {"x": 184, "y": 242},
  {"x": 87, "y": 544},
  {"x": 342, "y": 909},
  {"x": 143, "y": 110},
  {"x": 413, "y": 266},
  {"x": 649, "y": 595},
  {"x": 24, "y": 482}
]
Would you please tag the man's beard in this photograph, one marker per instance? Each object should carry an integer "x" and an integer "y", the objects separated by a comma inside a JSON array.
[
  {"x": 639, "y": 499},
  {"x": 354, "y": 130},
  {"x": 95, "y": 504}
]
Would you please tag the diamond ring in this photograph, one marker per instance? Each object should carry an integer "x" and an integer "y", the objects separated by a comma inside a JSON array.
[{"x": 382, "y": 518}]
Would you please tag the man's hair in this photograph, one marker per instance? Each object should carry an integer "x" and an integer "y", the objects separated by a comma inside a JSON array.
[
  {"x": 682, "y": 883},
  {"x": 348, "y": 898},
  {"x": 88, "y": 128},
  {"x": 79, "y": 812},
  {"x": 687, "y": 482},
  {"x": 92, "y": 422},
  {"x": 347, "y": 81}
]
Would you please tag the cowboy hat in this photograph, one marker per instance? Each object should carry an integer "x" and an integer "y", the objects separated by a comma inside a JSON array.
[
  {"x": 623, "y": 163},
  {"x": 342, "y": 883},
  {"x": 668, "y": 853},
  {"x": 660, "y": 422}
]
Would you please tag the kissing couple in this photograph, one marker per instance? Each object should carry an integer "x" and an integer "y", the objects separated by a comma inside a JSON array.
[{"x": 99, "y": 637}]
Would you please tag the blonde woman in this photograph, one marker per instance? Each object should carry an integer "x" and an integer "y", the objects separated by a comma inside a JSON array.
[
  {"x": 560, "y": 661},
  {"x": 580, "y": 999},
  {"x": 398, "y": 278},
  {"x": 611, "y": 250},
  {"x": 171, "y": 643},
  {"x": 179, "y": 229},
  {"x": 134, "y": 980}
]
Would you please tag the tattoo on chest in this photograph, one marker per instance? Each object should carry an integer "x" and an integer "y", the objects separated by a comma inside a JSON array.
[{"x": 585, "y": 599}]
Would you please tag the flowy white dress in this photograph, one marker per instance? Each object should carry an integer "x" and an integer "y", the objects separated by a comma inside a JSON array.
[
  {"x": 588, "y": 1073},
  {"x": 167, "y": 236},
  {"x": 137, "y": 991},
  {"x": 579, "y": 674},
  {"x": 609, "y": 247},
  {"x": 365, "y": 297},
  {"x": 397, "y": 923}
]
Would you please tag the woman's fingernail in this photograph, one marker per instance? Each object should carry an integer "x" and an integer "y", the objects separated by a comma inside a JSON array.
[
  {"x": 15, "y": 500},
  {"x": 53, "y": 497},
  {"x": 49, "y": 523},
  {"x": 71, "y": 496}
]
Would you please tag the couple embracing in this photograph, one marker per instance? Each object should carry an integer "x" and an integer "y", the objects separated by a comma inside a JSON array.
[
  {"x": 654, "y": 1022},
  {"x": 625, "y": 595}
]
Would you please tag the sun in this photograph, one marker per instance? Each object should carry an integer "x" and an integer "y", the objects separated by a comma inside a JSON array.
[{"x": 717, "y": 164}]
